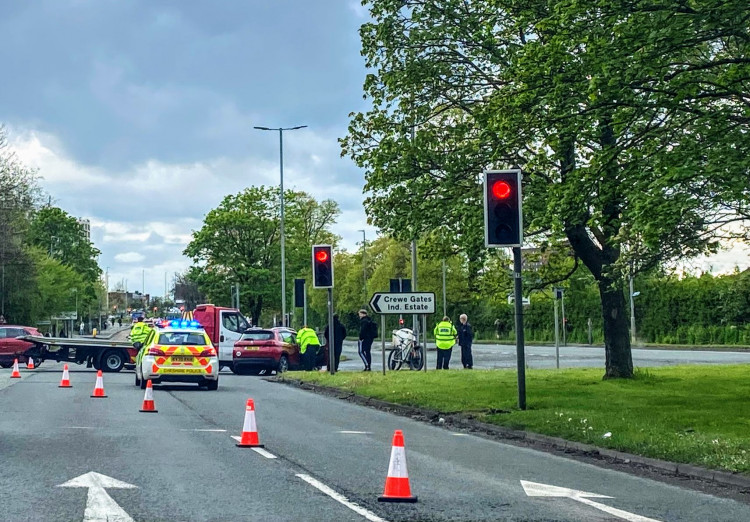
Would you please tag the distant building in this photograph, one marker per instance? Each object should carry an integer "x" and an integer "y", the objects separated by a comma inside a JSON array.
[{"x": 86, "y": 226}]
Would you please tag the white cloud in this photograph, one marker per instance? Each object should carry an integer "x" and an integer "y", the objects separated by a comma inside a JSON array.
[{"x": 130, "y": 257}]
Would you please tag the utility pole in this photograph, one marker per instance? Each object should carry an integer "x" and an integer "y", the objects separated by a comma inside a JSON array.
[
  {"x": 364, "y": 262},
  {"x": 415, "y": 317},
  {"x": 445, "y": 302},
  {"x": 632, "y": 306}
]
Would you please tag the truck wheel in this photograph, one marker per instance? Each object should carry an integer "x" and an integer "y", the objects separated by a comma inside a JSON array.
[
  {"x": 283, "y": 364},
  {"x": 6, "y": 365},
  {"x": 112, "y": 361}
]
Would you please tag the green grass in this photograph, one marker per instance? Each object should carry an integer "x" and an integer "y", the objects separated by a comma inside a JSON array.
[{"x": 691, "y": 414}]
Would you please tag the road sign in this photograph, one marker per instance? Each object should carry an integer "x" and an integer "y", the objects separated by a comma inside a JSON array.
[
  {"x": 65, "y": 316},
  {"x": 403, "y": 303}
]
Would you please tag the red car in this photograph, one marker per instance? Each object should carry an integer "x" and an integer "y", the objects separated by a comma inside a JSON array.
[
  {"x": 10, "y": 347},
  {"x": 268, "y": 349}
]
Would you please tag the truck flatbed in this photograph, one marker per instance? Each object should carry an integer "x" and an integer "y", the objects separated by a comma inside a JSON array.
[{"x": 104, "y": 354}]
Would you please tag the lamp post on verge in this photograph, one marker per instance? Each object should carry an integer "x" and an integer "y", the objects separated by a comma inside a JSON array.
[
  {"x": 281, "y": 204},
  {"x": 364, "y": 262}
]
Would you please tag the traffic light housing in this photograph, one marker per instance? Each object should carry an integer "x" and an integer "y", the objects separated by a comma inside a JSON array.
[
  {"x": 503, "y": 218},
  {"x": 322, "y": 264}
]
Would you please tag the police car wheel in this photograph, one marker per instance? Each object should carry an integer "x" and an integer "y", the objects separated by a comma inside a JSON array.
[
  {"x": 137, "y": 380},
  {"x": 143, "y": 384},
  {"x": 212, "y": 385}
]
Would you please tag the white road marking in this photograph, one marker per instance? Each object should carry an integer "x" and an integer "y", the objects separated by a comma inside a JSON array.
[
  {"x": 369, "y": 515},
  {"x": 534, "y": 489},
  {"x": 99, "y": 505},
  {"x": 210, "y": 431},
  {"x": 356, "y": 432},
  {"x": 460, "y": 434},
  {"x": 259, "y": 451},
  {"x": 79, "y": 427}
]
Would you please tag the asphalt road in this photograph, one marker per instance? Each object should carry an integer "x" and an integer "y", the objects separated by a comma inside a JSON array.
[
  {"x": 182, "y": 464},
  {"x": 504, "y": 356}
]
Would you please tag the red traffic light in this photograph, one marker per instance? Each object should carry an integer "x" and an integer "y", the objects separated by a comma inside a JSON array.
[
  {"x": 501, "y": 190},
  {"x": 321, "y": 256}
]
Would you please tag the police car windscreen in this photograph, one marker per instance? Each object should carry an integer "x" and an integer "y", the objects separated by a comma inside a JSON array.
[
  {"x": 181, "y": 339},
  {"x": 258, "y": 335}
]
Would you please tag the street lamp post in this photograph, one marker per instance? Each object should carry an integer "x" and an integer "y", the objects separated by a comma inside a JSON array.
[
  {"x": 281, "y": 203},
  {"x": 364, "y": 262}
]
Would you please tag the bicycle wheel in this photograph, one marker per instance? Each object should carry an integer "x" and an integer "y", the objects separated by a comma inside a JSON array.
[
  {"x": 394, "y": 359},
  {"x": 416, "y": 360}
]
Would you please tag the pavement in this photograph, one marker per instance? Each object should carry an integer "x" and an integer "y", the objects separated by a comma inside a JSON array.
[
  {"x": 331, "y": 459},
  {"x": 492, "y": 356}
]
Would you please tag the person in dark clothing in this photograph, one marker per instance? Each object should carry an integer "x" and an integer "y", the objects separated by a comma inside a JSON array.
[
  {"x": 368, "y": 331},
  {"x": 465, "y": 338},
  {"x": 339, "y": 332}
]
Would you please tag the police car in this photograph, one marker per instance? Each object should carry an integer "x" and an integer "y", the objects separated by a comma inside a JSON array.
[{"x": 178, "y": 352}]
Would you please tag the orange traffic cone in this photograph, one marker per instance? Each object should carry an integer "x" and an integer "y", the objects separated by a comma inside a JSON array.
[
  {"x": 99, "y": 387},
  {"x": 30, "y": 364},
  {"x": 249, "y": 437},
  {"x": 16, "y": 374},
  {"x": 397, "y": 482},
  {"x": 148, "y": 399},
  {"x": 65, "y": 382}
]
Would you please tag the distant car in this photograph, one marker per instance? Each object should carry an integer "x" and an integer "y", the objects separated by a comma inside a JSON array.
[
  {"x": 178, "y": 354},
  {"x": 12, "y": 348},
  {"x": 270, "y": 349}
]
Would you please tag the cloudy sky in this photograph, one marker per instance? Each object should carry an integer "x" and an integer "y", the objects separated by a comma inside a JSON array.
[{"x": 139, "y": 115}]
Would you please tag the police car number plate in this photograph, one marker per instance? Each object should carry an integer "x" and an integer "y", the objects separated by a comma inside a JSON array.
[{"x": 182, "y": 358}]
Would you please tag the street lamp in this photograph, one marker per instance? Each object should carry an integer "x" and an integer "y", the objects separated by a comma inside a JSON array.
[
  {"x": 364, "y": 262},
  {"x": 281, "y": 199}
]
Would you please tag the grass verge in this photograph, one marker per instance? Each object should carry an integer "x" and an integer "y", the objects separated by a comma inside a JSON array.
[{"x": 691, "y": 414}]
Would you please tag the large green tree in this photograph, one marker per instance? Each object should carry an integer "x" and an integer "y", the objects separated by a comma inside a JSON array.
[
  {"x": 615, "y": 109},
  {"x": 240, "y": 243}
]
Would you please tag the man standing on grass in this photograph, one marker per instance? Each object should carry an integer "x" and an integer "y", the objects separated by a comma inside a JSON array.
[
  {"x": 465, "y": 338},
  {"x": 445, "y": 338}
]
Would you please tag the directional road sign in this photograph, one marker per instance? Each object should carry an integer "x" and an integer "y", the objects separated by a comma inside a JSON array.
[{"x": 403, "y": 303}]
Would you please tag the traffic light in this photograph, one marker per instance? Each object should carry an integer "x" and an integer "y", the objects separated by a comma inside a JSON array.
[
  {"x": 503, "y": 219},
  {"x": 322, "y": 261}
]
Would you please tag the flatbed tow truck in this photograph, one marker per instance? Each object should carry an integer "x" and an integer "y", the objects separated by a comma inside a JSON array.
[{"x": 102, "y": 354}]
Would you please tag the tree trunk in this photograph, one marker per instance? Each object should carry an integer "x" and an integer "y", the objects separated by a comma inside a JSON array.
[{"x": 619, "y": 361}]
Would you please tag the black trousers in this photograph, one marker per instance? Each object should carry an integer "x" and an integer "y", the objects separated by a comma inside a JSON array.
[
  {"x": 308, "y": 358},
  {"x": 365, "y": 345},
  {"x": 466, "y": 359},
  {"x": 337, "y": 354},
  {"x": 443, "y": 358}
]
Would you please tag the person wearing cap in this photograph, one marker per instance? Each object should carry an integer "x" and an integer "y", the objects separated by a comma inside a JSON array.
[
  {"x": 445, "y": 338},
  {"x": 368, "y": 331}
]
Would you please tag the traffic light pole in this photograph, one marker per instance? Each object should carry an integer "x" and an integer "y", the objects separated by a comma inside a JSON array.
[
  {"x": 331, "y": 335},
  {"x": 520, "y": 355}
]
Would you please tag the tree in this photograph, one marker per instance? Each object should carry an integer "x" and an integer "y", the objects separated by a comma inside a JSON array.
[
  {"x": 591, "y": 98},
  {"x": 240, "y": 243}
]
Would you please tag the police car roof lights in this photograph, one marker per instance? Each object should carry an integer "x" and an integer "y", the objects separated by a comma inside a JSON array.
[{"x": 191, "y": 325}]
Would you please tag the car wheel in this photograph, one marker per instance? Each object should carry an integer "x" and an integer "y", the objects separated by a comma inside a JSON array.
[
  {"x": 112, "y": 361},
  {"x": 283, "y": 364},
  {"x": 212, "y": 385}
]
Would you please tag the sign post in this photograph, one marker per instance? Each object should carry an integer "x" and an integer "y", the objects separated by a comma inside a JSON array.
[{"x": 396, "y": 303}]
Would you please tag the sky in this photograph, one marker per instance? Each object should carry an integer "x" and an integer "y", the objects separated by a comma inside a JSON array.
[{"x": 139, "y": 115}]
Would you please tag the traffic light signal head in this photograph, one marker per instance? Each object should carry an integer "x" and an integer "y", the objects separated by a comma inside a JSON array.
[
  {"x": 503, "y": 219},
  {"x": 322, "y": 265}
]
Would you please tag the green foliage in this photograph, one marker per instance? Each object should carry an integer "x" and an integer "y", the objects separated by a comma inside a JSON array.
[
  {"x": 619, "y": 114},
  {"x": 702, "y": 410},
  {"x": 239, "y": 242}
]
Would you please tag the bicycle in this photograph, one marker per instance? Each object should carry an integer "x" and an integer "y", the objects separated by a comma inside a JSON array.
[{"x": 405, "y": 350}]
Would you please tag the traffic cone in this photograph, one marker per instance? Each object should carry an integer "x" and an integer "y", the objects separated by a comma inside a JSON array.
[
  {"x": 249, "y": 438},
  {"x": 148, "y": 399},
  {"x": 65, "y": 382},
  {"x": 99, "y": 387},
  {"x": 397, "y": 482},
  {"x": 16, "y": 374},
  {"x": 30, "y": 364}
]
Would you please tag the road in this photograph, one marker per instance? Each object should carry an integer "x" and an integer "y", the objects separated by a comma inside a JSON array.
[
  {"x": 504, "y": 356},
  {"x": 182, "y": 464}
]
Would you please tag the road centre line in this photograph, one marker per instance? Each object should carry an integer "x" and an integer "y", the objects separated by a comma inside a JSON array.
[
  {"x": 348, "y": 432},
  {"x": 259, "y": 451},
  {"x": 206, "y": 430},
  {"x": 369, "y": 515}
]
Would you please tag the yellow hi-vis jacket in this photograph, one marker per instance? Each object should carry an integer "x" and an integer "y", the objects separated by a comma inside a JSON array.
[
  {"x": 445, "y": 335},
  {"x": 140, "y": 333},
  {"x": 305, "y": 337}
]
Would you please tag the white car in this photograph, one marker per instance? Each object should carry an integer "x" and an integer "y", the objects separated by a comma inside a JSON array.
[{"x": 180, "y": 352}]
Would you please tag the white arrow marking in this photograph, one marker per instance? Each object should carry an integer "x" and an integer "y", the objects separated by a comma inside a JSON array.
[
  {"x": 534, "y": 489},
  {"x": 99, "y": 505}
]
